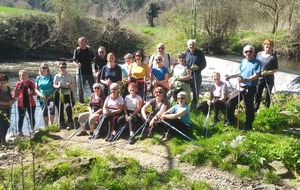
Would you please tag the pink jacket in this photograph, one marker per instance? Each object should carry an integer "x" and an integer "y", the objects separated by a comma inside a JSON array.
[{"x": 18, "y": 92}]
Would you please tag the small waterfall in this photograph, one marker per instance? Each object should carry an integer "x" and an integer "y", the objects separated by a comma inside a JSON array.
[{"x": 284, "y": 81}]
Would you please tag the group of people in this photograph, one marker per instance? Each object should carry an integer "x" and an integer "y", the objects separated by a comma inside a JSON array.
[{"x": 136, "y": 92}]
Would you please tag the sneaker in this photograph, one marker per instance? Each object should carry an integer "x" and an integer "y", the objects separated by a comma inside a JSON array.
[
  {"x": 91, "y": 135},
  {"x": 70, "y": 126},
  {"x": 82, "y": 133},
  {"x": 20, "y": 134},
  {"x": 132, "y": 140}
]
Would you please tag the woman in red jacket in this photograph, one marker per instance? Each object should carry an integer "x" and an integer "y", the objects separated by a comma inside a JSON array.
[{"x": 24, "y": 92}]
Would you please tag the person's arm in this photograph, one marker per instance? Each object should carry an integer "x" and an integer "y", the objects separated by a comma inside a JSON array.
[
  {"x": 227, "y": 77},
  {"x": 138, "y": 107},
  {"x": 251, "y": 78},
  {"x": 174, "y": 115},
  {"x": 162, "y": 109},
  {"x": 224, "y": 92},
  {"x": 144, "y": 108},
  {"x": 165, "y": 80}
]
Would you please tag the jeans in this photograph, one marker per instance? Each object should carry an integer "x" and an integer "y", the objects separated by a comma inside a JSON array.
[{"x": 80, "y": 81}]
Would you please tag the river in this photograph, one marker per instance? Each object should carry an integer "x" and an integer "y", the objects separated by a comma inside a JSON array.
[{"x": 287, "y": 79}]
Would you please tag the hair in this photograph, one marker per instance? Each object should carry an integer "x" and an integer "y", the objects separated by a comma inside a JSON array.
[
  {"x": 3, "y": 76},
  {"x": 140, "y": 52},
  {"x": 102, "y": 47},
  {"x": 182, "y": 93},
  {"x": 249, "y": 47},
  {"x": 215, "y": 73},
  {"x": 98, "y": 85},
  {"x": 62, "y": 63},
  {"x": 132, "y": 85},
  {"x": 158, "y": 57},
  {"x": 44, "y": 65},
  {"x": 23, "y": 72},
  {"x": 111, "y": 55},
  {"x": 191, "y": 41},
  {"x": 82, "y": 38},
  {"x": 115, "y": 85},
  {"x": 160, "y": 89},
  {"x": 128, "y": 55},
  {"x": 269, "y": 41},
  {"x": 160, "y": 45},
  {"x": 181, "y": 55}
]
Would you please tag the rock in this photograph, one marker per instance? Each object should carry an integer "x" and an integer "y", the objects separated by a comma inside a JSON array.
[
  {"x": 238, "y": 140},
  {"x": 279, "y": 168}
]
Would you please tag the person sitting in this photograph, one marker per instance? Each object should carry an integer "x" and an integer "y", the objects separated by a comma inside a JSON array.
[
  {"x": 159, "y": 105},
  {"x": 132, "y": 108},
  {"x": 112, "y": 109},
  {"x": 218, "y": 96},
  {"x": 178, "y": 116},
  {"x": 181, "y": 79},
  {"x": 160, "y": 75},
  {"x": 95, "y": 111},
  {"x": 110, "y": 73}
]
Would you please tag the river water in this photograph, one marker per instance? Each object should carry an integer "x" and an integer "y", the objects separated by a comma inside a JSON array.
[{"x": 289, "y": 68}]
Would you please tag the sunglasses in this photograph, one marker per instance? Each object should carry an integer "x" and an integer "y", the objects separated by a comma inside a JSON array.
[
  {"x": 157, "y": 59},
  {"x": 138, "y": 55},
  {"x": 180, "y": 98},
  {"x": 44, "y": 67},
  {"x": 248, "y": 51},
  {"x": 101, "y": 52},
  {"x": 161, "y": 48},
  {"x": 63, "y": 67},
  {"x": 113, "y": 89},
  {"x": 158, "y": 92},
  {"x": 96, "y": 88}
]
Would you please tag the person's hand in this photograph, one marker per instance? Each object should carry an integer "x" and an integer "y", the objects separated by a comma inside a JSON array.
[
  {"x": 264, "y": 73},
  {"x": 208, "y": 102},
  {"x": 68, "y": 85},
  {"x": 240, "y": 79},
  {"x": 194, "y": 67},
  {"x": 30, "y": 92},
  {"x": 227, "y": 77}
]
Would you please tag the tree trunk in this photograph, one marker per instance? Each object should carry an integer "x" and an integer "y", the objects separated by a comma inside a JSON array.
[{"x": 150, "y": 21}]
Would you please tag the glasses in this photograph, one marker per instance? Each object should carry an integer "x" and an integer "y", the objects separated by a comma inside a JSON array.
[
  {"x": 158, "y": 92},
  {"x": 138, "y": 55},
  {"x": 101, "y": 52},
  {"x": 44, "y": 67},
  {"x": 248, "y": 51},
  {"x": 157, "y": 59},
  {"x": 161, "y": 48},
  {"x": 62, "y": 67},
  {"x": 113, "y": 89},
  {"x": 96, "y": 88},
  {"x": 179, "y": 98},
  {"x": 128, "y": 58}
]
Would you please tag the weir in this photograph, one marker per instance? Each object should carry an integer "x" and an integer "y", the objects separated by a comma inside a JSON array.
[{"x": 284, "y": 81}]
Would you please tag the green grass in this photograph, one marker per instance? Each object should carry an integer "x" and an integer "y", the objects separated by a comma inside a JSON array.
[{"x": 4, "y": 9}]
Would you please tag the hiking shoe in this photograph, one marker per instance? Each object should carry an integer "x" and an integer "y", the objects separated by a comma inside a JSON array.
[
  {"x": 82, "y": 133},
  {"x": 166, "y": 137},
  {"x": 91, "y": 135},
  {"x": 70, "y": 126},
  {"x": 20, "y": 134}
]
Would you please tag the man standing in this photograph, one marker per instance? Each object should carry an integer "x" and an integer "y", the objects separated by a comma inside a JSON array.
[
  {"x": 196, "y": 61},
  {"x": 247, "y": 81},
  {"x": 83, "y": 57},
  {"x": 100, "y": 61},
  {"x": 167, "y": 59}
]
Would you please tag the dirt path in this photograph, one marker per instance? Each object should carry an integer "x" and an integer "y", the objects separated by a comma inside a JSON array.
[{"x": 158, "y": 157}]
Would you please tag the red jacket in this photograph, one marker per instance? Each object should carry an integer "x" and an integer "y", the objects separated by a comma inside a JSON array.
[{"x": 18, "y": 92}]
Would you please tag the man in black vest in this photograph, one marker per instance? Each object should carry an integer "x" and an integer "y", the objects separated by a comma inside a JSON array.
[{"x": 83, "y": 57}]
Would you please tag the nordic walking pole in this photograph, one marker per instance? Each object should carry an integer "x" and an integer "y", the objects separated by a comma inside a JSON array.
[
  {"x": 268, "y": 89},
  {"x": 71, "y": 103},
  {"x": 172, "y": 127},
  {"x": 97, "y": 130},
  {"x": 40, "y": 114},
  {"x": 71, "y": 136},
  {"x": 205, "y": 126},
  {"x": 119, "y": 133},
  {"x": 59, "y": 107},
  {"x": 30, "y": 110},
  {"x": 239, "y": 99},
  {"x": 196, "y": 88},
  {"x": 229, "y": 83}
]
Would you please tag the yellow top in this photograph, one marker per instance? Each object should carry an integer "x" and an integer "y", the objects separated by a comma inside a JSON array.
[{"x": 138, "y": 71}]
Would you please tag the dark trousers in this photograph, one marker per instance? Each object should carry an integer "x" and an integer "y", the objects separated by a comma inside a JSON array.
[
  {"x": 112, "y": 121},
  {"x": 65, "y": 104},
  {"x": 177, "y": 124},
  {"x": 133, "y": 121},
  {"x": 268, "y": 86},
  {"x": 248, "y": 96},
  {"x": 218, "y": 106},
  {"x": 196, "y": 85},
  {"x": 22, "y": 114},
  {"x": 4, "y": 123},
  {"x": 80, "y": 81}
]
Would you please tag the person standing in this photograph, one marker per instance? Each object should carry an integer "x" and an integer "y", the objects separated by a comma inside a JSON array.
[
  {"x": 63, "y": 82},
  {"x": 83, "y": 57},
  {"x": 125, "y": 72},
  {"x": 196, "y": 61},
  {"x": 100, "y": 61},
  {"x": 24, "y": 92},
  {"x": 247, "y": 81},
  {"x": 45, "y": 90},
  {"x": 167, "y": 59},
  {"x": 269, "y": 66},
  {"x": 6, "y": 101}
]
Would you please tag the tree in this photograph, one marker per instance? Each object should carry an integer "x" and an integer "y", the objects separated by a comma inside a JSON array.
[{"x": 152, "y": 12}]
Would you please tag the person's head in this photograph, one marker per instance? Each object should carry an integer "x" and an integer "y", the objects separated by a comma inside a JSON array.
[
  {"x": 82, "y": 42},
  {"x": 97, "y": 88},
  {"x": 268, "y": 45},
  {"x": 191, "y": 44},
  {"x": 159, "y": 92},
  {"x": 44, "y": 68},
  {"x": 3, "y": 78},
  {"x": 249, "y": 51},
  {"x": 181, "y": 97},
  {"x": 132, "y": 87},
  {"x": 63, "y": 67},
  {"x": 128, "y": 58},
  {"x": 111, "y": 57},
  {"x": 160, "y": 48},
  {"x": 181, "y": 58},
  {"x": 139, "y": 56},
  {"x": 158, "y": 60},
  {"x": 114, "y": 88},
  {"x": 102, "y": 52},
  {"x": 216, "y": 77},
  {"x": 23, "y": 75}
]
